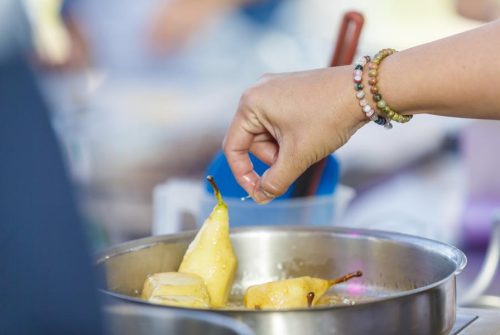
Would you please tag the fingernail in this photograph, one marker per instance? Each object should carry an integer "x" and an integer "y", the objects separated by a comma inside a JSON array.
[
  {"x": 263, "y": 197},
  {"x": 249, "y": 180}
]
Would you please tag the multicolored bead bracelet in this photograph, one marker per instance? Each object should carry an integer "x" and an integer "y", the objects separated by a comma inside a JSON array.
[
  {"x": 382, "y": 106},
  {"x": 361, "y": 96}
]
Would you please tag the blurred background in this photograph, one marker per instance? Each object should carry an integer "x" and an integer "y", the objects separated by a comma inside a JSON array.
[{"x": 141, "y": 93}]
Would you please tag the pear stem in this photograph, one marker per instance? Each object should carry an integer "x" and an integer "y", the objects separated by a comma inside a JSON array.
[
  {"x": 345, "y": 278},
  {"x": 216, "y": 190}
]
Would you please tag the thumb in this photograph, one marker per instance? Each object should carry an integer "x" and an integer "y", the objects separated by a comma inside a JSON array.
[{"x": 277, "y": 179}]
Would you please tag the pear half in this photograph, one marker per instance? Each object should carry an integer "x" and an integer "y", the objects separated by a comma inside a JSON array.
[
  {"x": 210, "y": 255},
  {"x": 298, "y": 292},
  {"x": 176, "y": 289}
]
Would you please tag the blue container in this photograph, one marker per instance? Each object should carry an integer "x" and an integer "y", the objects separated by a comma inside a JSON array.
[{"x": 284, "y": 210}]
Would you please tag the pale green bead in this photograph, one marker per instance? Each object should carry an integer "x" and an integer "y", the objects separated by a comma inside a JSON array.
[{"x": 381, "y": 104}]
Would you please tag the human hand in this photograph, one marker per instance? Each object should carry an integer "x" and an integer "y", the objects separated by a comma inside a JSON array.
[{"x": 290, "y": 121}]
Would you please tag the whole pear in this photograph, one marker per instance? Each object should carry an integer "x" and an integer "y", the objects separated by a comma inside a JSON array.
[
  {"x": 210, "y": 255},
  {"x": 291, "y": 293}
]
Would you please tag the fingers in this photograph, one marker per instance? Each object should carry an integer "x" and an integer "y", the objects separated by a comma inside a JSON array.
[
  {"x": 265, "y": 148},
  {"x": 236, "y": 145},
  {"x": 278, "y": 178},
  {"x": 248, "y": 133}
]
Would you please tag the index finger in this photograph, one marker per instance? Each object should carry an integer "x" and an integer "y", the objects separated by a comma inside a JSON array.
[{"x": 236, "y": 146}]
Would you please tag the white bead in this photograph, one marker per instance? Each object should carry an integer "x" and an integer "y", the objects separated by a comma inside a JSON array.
[
  {"x": 367, "y": 108},
  {"x": 358, "y": 73},
  {"x": 363, "y": 102},
  {"x": 357, "y": 78},
  {"x": 360, "y": 94},
  {"x": 370, "y": 113}
]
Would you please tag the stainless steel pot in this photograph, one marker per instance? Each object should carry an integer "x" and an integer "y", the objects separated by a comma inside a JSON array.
[
  {"x": 408, "y": 286},
  {"x": 135, "y": 319}
]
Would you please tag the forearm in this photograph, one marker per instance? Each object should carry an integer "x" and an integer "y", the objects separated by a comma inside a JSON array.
[
  {"x": 292, "y": 120},
  {"x": 455, "y": 76}
]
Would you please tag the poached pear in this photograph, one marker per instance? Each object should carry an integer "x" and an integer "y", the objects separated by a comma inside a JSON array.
[
  {"x": 176, "y": 289},
  {"x": 298, "y": 292},
  {"x": 210, "y": 255}
]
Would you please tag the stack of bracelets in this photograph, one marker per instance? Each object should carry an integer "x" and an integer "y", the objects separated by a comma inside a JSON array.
[{"x": 387, "y": 113}]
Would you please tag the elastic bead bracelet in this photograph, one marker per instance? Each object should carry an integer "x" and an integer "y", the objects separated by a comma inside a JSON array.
[
  {"x": 361, "y": 95},
  {"x": 382, "y": 106}
]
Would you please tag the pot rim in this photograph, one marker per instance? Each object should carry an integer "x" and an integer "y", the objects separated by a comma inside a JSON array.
[{"x": 447, "y": 250}]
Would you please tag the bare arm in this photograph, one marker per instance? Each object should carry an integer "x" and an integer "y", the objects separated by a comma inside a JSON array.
[
  {"x": 291, "y": 121},
  {"x": 455, "y": 76}
]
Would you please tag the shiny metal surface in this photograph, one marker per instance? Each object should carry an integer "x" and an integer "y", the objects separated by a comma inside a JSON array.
[
  {"x": 408, "y": 285},
  {"x": 134, "y": 319}
]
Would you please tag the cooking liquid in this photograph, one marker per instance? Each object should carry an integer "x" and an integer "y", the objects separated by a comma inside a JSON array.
[
  {"x": 336, "y": 296},
  {"x": 328, "y": 300}
]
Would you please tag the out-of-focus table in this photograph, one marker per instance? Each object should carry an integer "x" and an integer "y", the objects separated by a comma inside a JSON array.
[{"x": 487, "y": 322}]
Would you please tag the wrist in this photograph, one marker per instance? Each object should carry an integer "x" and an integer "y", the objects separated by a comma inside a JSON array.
[
  {"x": 399, "y": 87},
  {"x": 345, "y": 98}
]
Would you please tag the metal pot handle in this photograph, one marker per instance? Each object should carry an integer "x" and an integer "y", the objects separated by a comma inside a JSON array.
[
  {"x": 461, "y": 262},
  {"x": 475, "y": 295}
]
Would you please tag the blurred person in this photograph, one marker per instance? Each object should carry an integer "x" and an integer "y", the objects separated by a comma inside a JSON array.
[
  {"x": 178, "y": 20},
  {"x": 48, "y": 283},
  {"x": 58, "y": 39},
  {"x": 292, "y": 120},
  {"x": 481, "y": 10}
]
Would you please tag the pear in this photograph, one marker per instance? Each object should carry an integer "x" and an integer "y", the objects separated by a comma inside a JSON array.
[
  {"x": 176, "y": 289},
  {"x": 298, "y": 292},
  {"x": 210, "y": 255}
]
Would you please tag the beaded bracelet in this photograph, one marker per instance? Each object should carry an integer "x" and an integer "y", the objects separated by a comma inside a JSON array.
[
  {"x": 360, "y": 94},
  {"x": 382, "y": 106}
]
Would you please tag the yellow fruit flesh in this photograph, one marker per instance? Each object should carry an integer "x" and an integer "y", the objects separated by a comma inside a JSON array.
[
  {"x": 176, "y": 289},
  {"x": 211, "y": 254},
  {"x": 286, "y": 294}
]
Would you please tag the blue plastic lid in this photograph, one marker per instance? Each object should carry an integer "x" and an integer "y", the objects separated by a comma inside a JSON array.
[{"x": 219, "y": 169}]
